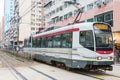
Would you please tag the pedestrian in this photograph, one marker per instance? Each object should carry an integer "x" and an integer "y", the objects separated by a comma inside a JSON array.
[
  {"x": 21, "y": 47},
  {"x": 17, "y": 48},
  {"x": 118, "y": 55}
]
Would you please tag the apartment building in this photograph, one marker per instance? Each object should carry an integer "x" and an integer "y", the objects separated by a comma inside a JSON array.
[
  {"x": 8, "y": 15},
  {"x": 61, "y": 13},
  {"x": 26, "y": 19},
  {"x": 8, "y": 12},
  {"x": 30, "y": 18},
  {"x": 2, "y": 30}
]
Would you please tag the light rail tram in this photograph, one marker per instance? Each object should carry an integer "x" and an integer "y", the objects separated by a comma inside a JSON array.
[{"x": 82, "y": 45}]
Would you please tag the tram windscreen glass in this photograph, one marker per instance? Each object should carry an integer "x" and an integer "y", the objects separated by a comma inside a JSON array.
[
  {"x": 101, "y": 26},
  {"x": 103, "y": 36}
]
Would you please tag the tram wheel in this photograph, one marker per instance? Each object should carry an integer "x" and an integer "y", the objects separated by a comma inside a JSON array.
[
  {"x": 68, "y": 68},
  {"x": 53, "y": 63}
]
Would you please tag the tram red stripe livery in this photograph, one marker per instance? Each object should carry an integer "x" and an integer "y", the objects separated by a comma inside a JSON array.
[
  {"x": 104, "y": 52},
  {"x": 59, "y": 32},
  {"x": 67, "y": 31}
]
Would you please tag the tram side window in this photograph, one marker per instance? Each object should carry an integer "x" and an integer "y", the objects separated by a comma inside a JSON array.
[
  {"x": 57, "y": 41},
  {"x": 34, "y": 42},
  {"x": 38, "y": 42},
  {"x": 67, "y": 40},
  {"x": 26, "y": 43},
  {"x": 43, "y": 42},
  {"x": 50, "y": 42},
  {"x": 86, "y": 39}
]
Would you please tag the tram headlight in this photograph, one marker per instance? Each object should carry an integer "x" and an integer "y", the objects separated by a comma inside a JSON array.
[
  {"x": 110, "y": 57},
  {"x": 99, "y": 58}
]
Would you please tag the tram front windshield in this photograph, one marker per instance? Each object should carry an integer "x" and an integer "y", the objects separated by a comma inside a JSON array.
[{"x": 103, "y": 38}]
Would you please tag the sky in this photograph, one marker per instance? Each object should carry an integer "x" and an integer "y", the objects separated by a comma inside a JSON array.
[{"x": 1, "y": 8}]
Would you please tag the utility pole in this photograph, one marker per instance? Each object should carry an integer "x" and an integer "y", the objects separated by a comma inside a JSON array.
[
  {"x": 18, "y": 22},
  {"x": 17, "y": 47}
]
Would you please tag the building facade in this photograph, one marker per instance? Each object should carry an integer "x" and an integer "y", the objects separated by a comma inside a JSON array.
[
  {"x": 30, "y": 18},
  {"x": 27, "y": 20},
  {"x": 8, "y": 15},
  {"x": 61, "y": 13},
  {"x": 8, "y": 12},
  {"x": 2, "y": 30}
]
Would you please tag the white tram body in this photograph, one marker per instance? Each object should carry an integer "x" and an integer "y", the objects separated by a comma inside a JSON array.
[{"x": 91, "y": 46}]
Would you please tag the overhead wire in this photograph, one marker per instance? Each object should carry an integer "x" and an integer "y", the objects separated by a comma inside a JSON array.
[
  {"x": 30, "y": 8},
  {"x": 22, "y": 3}
]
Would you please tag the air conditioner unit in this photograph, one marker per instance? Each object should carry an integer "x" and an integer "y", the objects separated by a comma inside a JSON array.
[
  {"x": 105, "y": 2},
  {"x": 99, "y": 3},
  {"x": 71, "y": 2}
]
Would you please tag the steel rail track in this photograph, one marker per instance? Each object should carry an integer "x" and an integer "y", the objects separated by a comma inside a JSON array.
[
  {"x": 80, "y": 72},
  {"x": 11, "y": 68},
  {"x": 34, "y": 69},
  {"x": 43, "y": 73},
  {"x": 86, "y": 73},
  {"x": 40, "y": 72},
  {"x": 91, "y": 74},
  {"x": 112, "y": 75}
]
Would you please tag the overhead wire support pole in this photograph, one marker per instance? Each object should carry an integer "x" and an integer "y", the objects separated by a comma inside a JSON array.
[
  {"x": 18, "y": 22},
  {"x": 80, "y": 12},
  {"x": 77, "y": 16},
  {"x": 32, "y": 54}
]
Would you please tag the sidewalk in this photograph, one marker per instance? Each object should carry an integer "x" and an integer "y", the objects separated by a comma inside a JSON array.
[{"x": 19, "y": 53}]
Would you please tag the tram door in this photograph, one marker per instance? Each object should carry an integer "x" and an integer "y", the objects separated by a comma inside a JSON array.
[{"x": 83, "y": 45}]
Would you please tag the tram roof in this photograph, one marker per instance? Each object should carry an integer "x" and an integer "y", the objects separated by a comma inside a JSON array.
[
  {"x": 67, "y": 27},
  {"x": 64, "y": 28}
]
